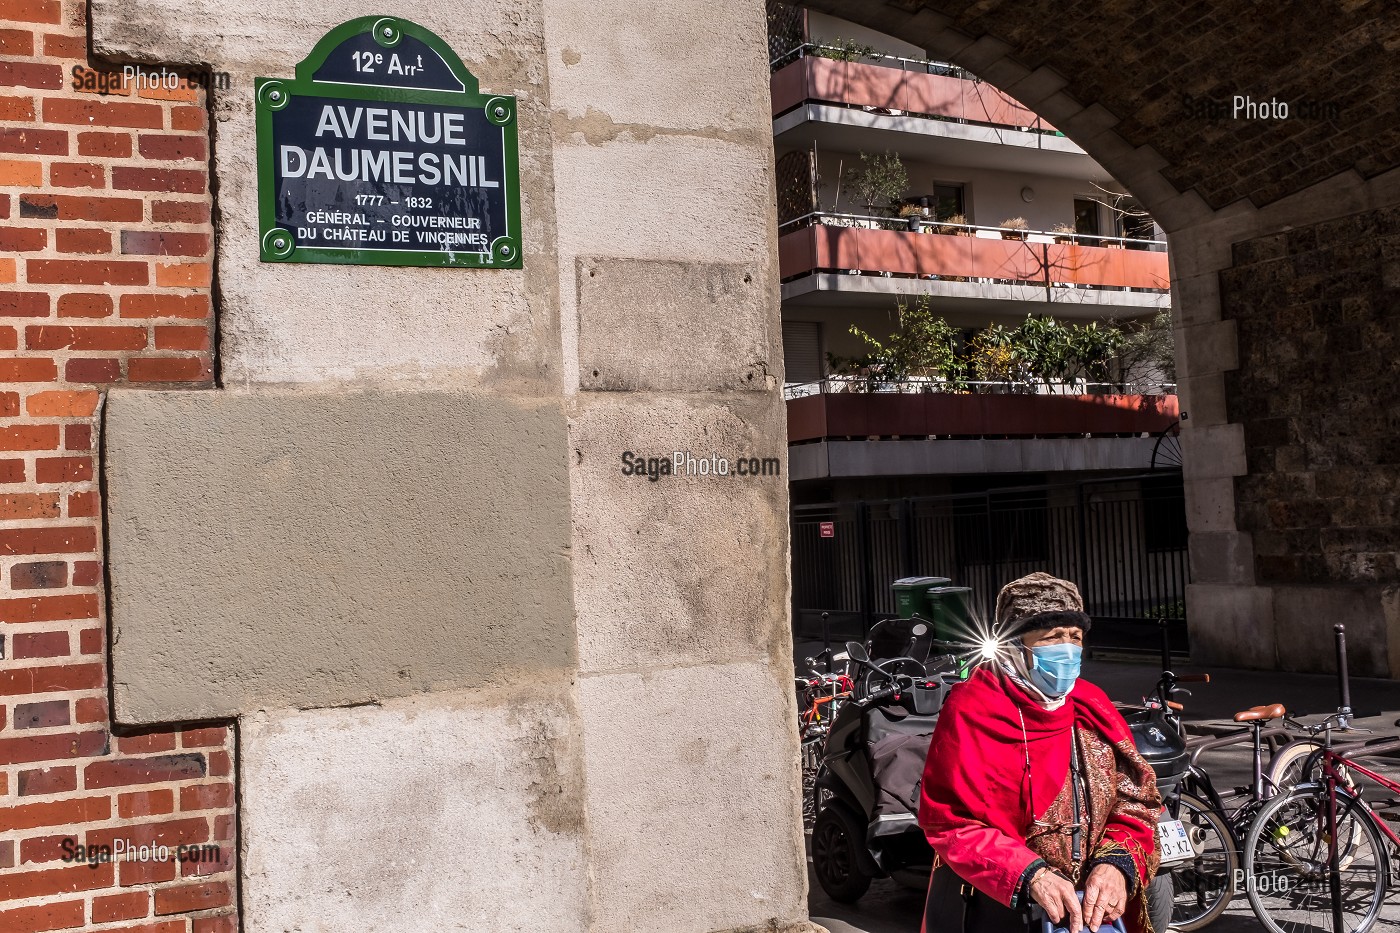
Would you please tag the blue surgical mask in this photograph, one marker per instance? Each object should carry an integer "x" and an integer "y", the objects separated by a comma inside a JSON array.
[{"x": 1055, "y": 668}]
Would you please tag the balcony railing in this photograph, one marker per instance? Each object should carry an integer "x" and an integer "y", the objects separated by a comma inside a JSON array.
[
  {"x": 914, "y": 385},
  {"x": 942, "y": 94},
  {"x": 923, "y": 415},
  {"x": 848, "y": 243},
  {"x": 903, "y": 63}
]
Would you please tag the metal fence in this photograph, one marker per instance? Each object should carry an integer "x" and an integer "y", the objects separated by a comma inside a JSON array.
[{"x": 1123, "y": 541}]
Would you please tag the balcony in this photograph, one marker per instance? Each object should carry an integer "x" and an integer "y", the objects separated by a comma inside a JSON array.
[
  {"x": 846, "y": 253},
  {"x": 938, "y": 112},
  {"x": 913, "y": 88},
  {"x": 851, "y": 434}
]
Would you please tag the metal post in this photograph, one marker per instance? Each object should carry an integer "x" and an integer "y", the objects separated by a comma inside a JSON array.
[
  {"x": 906, "y": 537},
  {"x": 1343, "y": 680},
  {"x": 1083, "y": 573},
  {"x": 1166, "y": 644},
  {"x": 1334, "y": 866},
  {"x": 867, "y": 589}
]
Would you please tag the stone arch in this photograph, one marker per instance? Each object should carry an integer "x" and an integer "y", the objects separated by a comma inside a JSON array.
[{"x": 1250, "y": 206}]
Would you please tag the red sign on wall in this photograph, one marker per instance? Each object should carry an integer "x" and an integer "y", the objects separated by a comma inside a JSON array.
[{"x": 828, "y": 529}]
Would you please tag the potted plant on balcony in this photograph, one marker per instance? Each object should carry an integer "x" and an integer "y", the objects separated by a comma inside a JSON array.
[
  {"x": 914, "y": 215},
  {"x": 921, "y": 355},
  {"x": 845, "y": 50},
  {"x": 1014, "y": 228},
  {"x": 879, "y": 182},
  {"x": 1064, "y": 233},
  {"x": 955, "y": 225}
]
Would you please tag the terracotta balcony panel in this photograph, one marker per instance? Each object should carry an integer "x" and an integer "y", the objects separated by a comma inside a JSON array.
[
  {"x": 1001, "y": 108},
  {"x": 841, "y": 415},
  {"x": 797, "y": 251},
  {"x": 1141, "y": 265},
  {"x": 1008, "y": 259},
  {"x": 837, "y": 248},
  {"x": 944, "y": 254},
  {"x": 847, "y": 414},
  {"x": 958, "y": 415},
  {"x": 806, "y": 418},
  {"x": 826, "y": 79},
  {"x": 1100, "y": 265},
  {"x": 935, "y": 94},
  {"x": 872, "y": 86},
  {"x": 788, "y": 86},
  {"x": 888, "y": 251}
]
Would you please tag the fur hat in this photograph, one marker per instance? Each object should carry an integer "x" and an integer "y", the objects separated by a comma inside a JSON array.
[{"x": 1038, "y": 602}]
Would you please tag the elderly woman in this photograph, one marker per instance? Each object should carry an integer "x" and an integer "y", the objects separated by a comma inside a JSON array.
[{"x": 1033, "y": 790}]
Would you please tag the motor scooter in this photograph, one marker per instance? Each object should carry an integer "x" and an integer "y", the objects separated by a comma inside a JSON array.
[{"x": 867, "y": 786}]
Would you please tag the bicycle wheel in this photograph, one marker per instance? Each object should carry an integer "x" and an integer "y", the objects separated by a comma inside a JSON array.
[
  {"x": 1290, "y": 767},
  {"x": 1203, "y": 886},
  {"x": 811, "y": 761},
  {"x": 1286, "y": 871},
  {"x": 1286, "y": 767}
]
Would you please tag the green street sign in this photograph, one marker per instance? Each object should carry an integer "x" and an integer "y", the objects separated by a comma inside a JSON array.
[{"x": 383, "y": 151}]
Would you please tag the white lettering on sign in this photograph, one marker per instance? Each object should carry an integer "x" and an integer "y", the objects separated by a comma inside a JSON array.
[
  {"x": 396, "y": 166},
  {"x": 397, "y": 126}
]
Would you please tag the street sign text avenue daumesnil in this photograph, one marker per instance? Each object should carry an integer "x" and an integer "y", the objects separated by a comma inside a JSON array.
[{"x": 383, "y": 151}]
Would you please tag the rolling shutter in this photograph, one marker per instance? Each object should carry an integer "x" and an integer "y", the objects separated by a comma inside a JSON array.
[{"x": 802, "y": 351}]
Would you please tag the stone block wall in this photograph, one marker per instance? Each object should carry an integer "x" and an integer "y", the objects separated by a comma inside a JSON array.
[
  {"x": 105, "y": 279},
  {"x": 1320, "y": 401}
]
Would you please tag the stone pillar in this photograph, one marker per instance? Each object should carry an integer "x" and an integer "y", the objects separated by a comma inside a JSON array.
[{"x": 483, "y": 678}]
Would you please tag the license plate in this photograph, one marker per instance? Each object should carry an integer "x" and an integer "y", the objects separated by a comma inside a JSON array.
[{"x": 1174, "y": 843}]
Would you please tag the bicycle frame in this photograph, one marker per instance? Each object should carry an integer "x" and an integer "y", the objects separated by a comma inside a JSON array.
[{"x": 1332, "y": 762}]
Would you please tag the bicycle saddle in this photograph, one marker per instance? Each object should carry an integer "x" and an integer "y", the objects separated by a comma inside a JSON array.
[{"x": 1255, "y": 713}]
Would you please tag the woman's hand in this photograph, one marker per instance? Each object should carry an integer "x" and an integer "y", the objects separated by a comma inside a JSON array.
[
  {"x": 1105, "y": 896},
  {"x": 1055, "y": 893}
]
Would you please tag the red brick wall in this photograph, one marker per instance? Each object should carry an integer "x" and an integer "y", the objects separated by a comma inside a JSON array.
[{"x": 105, "y": 269}]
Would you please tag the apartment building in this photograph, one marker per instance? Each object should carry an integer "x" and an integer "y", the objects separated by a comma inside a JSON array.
[{"x": 911, "y": 191}]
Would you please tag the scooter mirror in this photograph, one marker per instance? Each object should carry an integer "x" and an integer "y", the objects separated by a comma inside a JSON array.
[{"x": 856, "y": 651}]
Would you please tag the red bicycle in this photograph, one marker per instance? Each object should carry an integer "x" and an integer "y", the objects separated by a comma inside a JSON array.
[{"x": 1317, "y": 857}]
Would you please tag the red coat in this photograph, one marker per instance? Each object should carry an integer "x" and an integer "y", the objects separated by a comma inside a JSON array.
[{"x": 979, "y": 797}]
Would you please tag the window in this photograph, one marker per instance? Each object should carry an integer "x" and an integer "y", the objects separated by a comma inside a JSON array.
[
  {"x": 802, "y": 351},
  {"x": 947, "y": 201},
  {"x": 1133, "y": 221},
  {"x": 1086, "y": 216}
]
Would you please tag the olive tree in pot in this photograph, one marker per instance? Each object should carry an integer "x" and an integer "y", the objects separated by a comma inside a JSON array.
[{"x": 879, "y": 182}]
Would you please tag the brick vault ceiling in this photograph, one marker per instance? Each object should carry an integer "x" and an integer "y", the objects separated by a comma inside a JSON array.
[{"x": 1139, "y": 59}]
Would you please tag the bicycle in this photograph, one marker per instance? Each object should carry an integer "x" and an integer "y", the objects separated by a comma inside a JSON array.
[
  {"x": 1217, "y": 824},
  {"x": 1285, "y": 868},
  {"x": 819, "y": 697},
  {"x": 1201, "y": 885},
  {"x": 1316, "y": 856}
]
